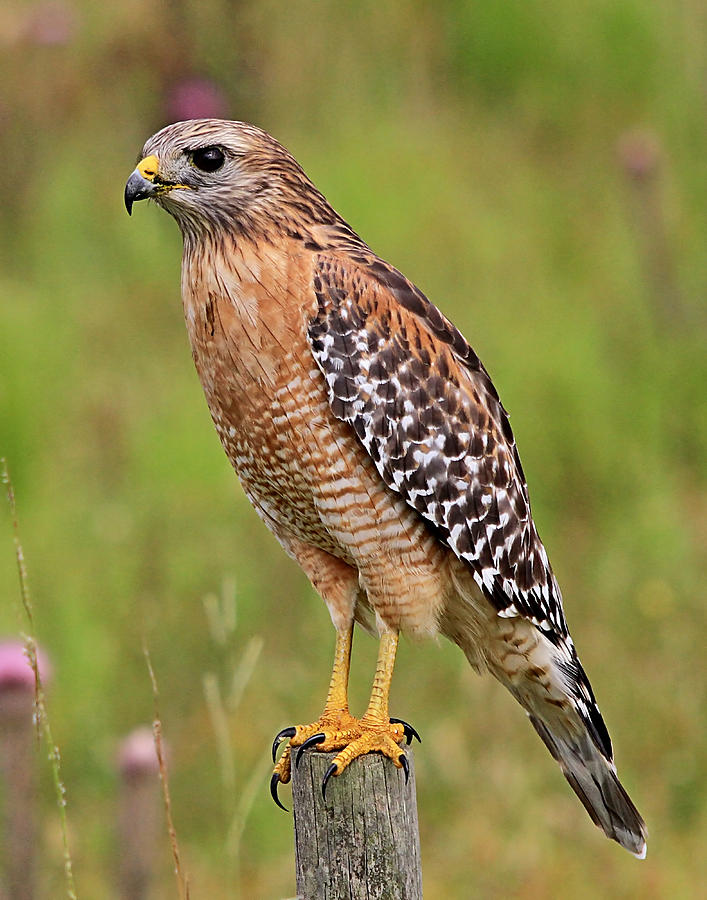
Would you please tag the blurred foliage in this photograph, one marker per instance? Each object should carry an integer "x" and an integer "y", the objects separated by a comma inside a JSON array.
[{"x": 538, "y": 169}]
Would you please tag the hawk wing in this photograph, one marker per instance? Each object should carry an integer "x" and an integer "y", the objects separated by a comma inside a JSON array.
[{"x": 425, "y": 409}]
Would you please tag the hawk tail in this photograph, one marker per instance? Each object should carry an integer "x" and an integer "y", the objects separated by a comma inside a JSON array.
[{"x": 593, "y": 779}]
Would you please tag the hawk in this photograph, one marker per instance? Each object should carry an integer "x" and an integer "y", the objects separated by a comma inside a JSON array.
[{"x": 371, "y": 441}]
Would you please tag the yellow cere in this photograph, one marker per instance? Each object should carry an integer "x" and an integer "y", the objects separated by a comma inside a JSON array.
[{"x": 149, "y": 167}]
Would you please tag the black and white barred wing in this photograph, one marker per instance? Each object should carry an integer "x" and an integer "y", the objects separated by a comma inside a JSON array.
[{"x": 424, "y": 408}]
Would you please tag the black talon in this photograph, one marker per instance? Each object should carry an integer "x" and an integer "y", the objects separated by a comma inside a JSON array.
[
  {"x": 327, "y": 775},
  {"x": 280, "y": 737},
  {"x": 310, "y": 742},
  {"x": 274, "y": 781},
  {"x": 408, "y": 730},
  {"x": 403, "y": 760}
]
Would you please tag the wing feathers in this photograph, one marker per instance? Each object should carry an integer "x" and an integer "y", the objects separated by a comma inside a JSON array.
[{"x": 424, "y": 408}]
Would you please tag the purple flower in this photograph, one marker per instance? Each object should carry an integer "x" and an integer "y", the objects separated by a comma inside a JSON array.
[
  {"x": 15, "y": 668},
  {"x": 137, "y": 754},
  {"x": 196, "y": 98}
]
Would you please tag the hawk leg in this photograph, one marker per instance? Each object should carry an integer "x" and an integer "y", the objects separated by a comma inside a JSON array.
[
  {"x": 377, "y": 733},
  {"x": 337, "y": 729}
]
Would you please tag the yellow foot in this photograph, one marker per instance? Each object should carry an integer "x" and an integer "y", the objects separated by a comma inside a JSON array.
[
  {"x": 341, "y": 731},
  {"x": 281, "y": 775},
  {"x": 384, "y": 738}
]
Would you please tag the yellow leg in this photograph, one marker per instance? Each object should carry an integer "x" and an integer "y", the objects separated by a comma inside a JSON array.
[
  {"x": 377, "y": 733},
  {"x": 338, "y": 696},
  {"x": 337, "y": 729},
  {"x": 377, "y": 712}
]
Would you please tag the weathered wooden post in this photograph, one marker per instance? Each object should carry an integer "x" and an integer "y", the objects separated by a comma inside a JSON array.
[{"x": 362, "y": 842}]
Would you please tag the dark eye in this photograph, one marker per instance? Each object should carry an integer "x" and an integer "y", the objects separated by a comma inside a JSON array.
[{"x": 208, "y": 159}]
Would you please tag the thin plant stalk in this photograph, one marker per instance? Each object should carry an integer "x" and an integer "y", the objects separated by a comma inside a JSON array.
[
  {"x": 182, "y": 881},
  {"x": 40, "y": 706},
  {"x": 139, "y": 813},
  {"x": 223, "y": 696}
]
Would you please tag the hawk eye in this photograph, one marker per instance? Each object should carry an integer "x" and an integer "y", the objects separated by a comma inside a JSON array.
[{"x": 208, "y": 159}]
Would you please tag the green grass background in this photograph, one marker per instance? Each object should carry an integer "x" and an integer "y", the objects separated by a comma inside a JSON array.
[{"x": 474, "y": 145}]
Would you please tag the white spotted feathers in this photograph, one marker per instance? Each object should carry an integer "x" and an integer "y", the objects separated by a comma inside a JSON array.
[
  {"x": 427, "y": 413},
  {"x": 436, "y": 430}
]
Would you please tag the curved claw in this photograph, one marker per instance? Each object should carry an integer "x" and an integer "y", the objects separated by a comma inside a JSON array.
[
  {"x": 280, "y": 737},
  {"x": 310, "y": 742},
  {"x": 403, "y": 760},
  {"x": 327, "y": 775},
  {"x": 274, "y": 782},
  {"x": 408, "y": 730}
]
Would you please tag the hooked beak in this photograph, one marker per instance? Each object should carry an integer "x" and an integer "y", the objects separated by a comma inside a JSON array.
[{"x": 144, "y": 182}]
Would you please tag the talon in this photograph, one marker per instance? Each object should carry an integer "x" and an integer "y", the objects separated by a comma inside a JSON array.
[
  {"x": 403, "y": 760},
  {"x": 310, "y": 742},
  {"x": 408, "y": 730},
  {"x": 274, "y": 782},
  {"x": 327, "y": 775},
  {"x": 280, "y": 737}
]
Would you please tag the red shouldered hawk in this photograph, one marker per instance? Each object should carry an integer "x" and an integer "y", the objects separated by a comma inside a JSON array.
[{"x": 370, "y": 439}]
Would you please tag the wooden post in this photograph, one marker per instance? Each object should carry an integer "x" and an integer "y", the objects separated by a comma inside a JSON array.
[{"x": 363, "y": 842}]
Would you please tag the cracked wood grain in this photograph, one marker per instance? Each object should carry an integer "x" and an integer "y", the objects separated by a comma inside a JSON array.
[{"x": 363, "y": 842}]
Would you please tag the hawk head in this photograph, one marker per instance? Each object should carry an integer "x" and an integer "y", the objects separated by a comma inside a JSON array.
[{"x": 213, "y": 175}]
